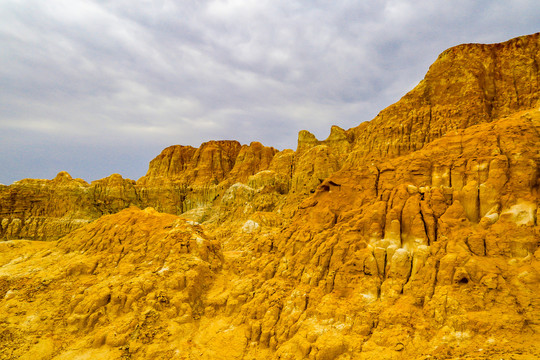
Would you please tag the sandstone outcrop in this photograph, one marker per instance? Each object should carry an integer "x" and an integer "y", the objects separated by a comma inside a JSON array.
[
  {"x": 339, "y": 141},
  {"x": 49, "y": 209},
  {"x": 132, "y": 278},
  {"x": 180, "y": 179},
  {"x": 399, "y": 238},
  {"x": 170, "y": 165},
  {"x": 413, "y": 236},
  {"x": 467, "y": 85}
]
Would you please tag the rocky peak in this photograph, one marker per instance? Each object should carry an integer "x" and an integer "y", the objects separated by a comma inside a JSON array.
[
  {"x": 251, "y": 159},
  {"x": 339, "y": 141},
  {"x": 467, "y": 85},
  {"x": 171, "y": 164},
  {"x": 212, "y": 161},
  {"x": 62, "y": 176},
  {"x": 306, "y": 140}
]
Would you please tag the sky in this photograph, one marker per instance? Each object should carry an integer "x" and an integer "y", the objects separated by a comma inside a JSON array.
[{"x": 96, "y": 87}]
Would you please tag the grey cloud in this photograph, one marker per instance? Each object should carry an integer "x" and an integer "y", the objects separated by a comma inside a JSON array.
[{"x": 112, "y": 83}]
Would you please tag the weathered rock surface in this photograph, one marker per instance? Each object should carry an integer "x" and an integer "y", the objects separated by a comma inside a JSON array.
[
  {"x": 405, "y": 261},
  {"x": 467, "y": 85},
  {"x": 413, "y": 236},
  {"x": 49, "y": 209},
  {"x": 122, "y": 282},
  {"x": 180, "y": 179}
]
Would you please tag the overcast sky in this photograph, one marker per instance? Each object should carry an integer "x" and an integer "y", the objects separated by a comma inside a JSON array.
[{"x": 97, "y": 87}]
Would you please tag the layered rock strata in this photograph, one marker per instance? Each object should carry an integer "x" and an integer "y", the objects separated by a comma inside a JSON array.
[
  {"x": 435, "y": 253},
  {"x": 180, "y": 179},
  {"x": 49, "y": 209}
]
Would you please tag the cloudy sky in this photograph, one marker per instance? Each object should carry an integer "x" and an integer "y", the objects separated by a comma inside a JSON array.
[{"x": 95, "y": 87}]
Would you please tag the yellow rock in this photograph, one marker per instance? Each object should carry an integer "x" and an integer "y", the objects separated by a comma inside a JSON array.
[{"x": 412, "y": 236}]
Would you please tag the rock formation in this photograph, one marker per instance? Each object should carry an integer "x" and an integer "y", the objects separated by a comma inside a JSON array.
[
  {"x": 467, "y": 85},
  {"x": 49, "y": 209},
  {"x": 124, "y": 274},
  {"x": 412, "y": 236},
  {"x": 180, "y": 179}
]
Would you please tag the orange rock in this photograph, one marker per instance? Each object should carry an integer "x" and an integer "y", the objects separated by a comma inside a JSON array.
[
  {"x": 467, "y": 85},
  {"x": 250, "y": 160},
  {"x": 171, "y": 164},
  {"x": 411, "y": 236}
]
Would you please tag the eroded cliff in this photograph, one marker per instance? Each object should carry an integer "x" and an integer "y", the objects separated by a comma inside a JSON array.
[{"x": 411, "y": 236}]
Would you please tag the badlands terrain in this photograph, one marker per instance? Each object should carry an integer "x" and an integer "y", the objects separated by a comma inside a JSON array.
[{"x": 412, "y": 236}]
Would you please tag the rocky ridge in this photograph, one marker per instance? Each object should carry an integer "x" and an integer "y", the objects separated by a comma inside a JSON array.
[
  {"x": 414, "y": 235},
  {"x": 467, "y": 85}
]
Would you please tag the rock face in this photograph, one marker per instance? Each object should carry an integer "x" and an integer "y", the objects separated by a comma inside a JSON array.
[
  {"x": 180, "y": 179},
  {"x": 412, "y": 236},
  {"x": 467, "y": 85},
  {"x": 49, "y": 209},
  {"x": 415, "y": 238}
]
